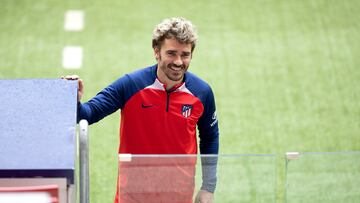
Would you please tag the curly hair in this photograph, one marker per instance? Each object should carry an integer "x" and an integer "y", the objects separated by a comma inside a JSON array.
[{"x": 179, "y": 28}]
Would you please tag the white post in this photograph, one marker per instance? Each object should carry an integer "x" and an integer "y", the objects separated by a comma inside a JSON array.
[{"x": 84, "y": 161}]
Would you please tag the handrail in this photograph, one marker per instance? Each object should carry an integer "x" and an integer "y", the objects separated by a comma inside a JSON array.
[{"x": 84, "y": 161}]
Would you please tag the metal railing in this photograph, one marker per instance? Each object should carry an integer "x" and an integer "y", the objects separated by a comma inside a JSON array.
[{"x": 84, "y": 161}]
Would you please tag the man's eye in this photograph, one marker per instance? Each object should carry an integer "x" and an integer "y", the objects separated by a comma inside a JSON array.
[{"x": 171, "y": 53}]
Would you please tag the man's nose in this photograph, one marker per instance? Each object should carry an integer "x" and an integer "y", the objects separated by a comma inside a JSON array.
[{"x": 178, "y": 61}]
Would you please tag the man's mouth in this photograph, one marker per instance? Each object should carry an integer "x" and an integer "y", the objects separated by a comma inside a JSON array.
[{"x": 176, "y": 68}]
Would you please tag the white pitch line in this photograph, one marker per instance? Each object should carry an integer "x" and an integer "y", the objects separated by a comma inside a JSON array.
[
  {"x": 72, "y": 57},
  {"x": 74, "y": 20}
]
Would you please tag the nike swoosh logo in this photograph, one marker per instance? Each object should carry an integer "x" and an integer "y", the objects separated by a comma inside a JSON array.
[{"x": 146, "y": 106}]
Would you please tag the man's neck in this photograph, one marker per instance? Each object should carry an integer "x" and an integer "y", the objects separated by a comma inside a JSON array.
[{"x": 169, "y": 84}]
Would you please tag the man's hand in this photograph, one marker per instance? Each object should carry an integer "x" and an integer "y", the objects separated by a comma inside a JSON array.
[
  {"x": 80, "y": 84},
  {"x": 204, "y": 196}
]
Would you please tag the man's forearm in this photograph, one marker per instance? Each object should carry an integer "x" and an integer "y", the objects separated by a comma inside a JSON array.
[{"x": 209, "y": 167}]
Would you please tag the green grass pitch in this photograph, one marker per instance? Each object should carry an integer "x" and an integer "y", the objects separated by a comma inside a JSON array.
[{"x": 285, "y": 74}]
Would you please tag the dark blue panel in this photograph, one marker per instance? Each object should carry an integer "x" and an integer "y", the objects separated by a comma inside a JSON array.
[{"x": 38, "y": 124}]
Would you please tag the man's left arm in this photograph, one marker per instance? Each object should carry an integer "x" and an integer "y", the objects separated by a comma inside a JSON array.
[{"x": 209, "y": 148}]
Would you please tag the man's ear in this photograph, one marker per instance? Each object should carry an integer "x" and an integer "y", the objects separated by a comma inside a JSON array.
[{"x": 157, "y": 53}]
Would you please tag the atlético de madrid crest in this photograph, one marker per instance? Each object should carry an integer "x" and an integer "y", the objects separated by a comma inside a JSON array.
[{"x": 186, "y": 110}]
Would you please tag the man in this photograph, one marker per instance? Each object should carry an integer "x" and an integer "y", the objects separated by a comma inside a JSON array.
[{"x": 161, "y": 106}]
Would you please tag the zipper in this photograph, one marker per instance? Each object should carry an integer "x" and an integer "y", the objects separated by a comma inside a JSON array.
[
  {"x": 168, "y": 92},
  {"x": 167, "y": 100}
]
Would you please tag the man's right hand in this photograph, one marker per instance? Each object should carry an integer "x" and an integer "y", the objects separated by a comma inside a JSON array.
[{"x": 80, "y": 84}]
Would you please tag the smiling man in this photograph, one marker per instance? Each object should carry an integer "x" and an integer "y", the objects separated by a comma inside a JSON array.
[
  {"x": 173, "y": 61},
  {"x": 161, "y": 106}
]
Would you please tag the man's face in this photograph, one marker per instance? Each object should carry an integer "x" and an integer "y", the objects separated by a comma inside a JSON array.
[{"x": 173, "y": 60}]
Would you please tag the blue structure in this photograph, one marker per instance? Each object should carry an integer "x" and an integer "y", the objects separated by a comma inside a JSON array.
[{"x": 38, "y": 128}]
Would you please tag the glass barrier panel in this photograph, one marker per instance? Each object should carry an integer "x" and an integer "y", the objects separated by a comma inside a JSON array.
[
  {"x": 178, "y": 178},
  {"x": 323, "y": 177}
]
